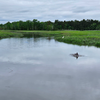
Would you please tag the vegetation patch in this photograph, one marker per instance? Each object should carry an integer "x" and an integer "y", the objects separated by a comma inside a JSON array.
[
  {"x": 8, "y": 34},
  {"x": 90, "y": 38}
]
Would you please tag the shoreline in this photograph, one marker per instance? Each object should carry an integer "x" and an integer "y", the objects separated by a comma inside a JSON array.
[{"x": 86, "y": 38}]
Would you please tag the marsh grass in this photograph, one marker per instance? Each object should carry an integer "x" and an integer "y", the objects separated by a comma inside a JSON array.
[
  {"x": 90, "y": 38},
  {"x": 8, "y": 34}
]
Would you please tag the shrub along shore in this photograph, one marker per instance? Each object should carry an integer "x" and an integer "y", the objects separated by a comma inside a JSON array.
[{"x": 90, "y": 37}]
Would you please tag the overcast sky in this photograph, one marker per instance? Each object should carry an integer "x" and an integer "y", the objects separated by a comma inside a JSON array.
[{"x": 45, "y": 10}]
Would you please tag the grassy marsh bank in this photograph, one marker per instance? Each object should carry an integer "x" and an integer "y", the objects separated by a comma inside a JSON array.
[
  {"x": 90, "y": 38},
  {"x": 8, "y": 34}
]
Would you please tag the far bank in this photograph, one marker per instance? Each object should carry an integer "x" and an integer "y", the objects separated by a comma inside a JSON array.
[{"x": 90, "y": 38}]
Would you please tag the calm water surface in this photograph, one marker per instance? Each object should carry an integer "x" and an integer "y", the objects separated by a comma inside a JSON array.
[{"x": 42, "y": 69}]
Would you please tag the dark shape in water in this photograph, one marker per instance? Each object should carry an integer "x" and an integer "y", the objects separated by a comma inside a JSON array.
[
  {"x": 49, "y": 38},
  {"x": 76, "y": 55}
]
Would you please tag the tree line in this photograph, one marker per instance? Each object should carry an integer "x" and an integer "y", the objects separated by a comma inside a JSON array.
[{"x": 88, "y": 24}]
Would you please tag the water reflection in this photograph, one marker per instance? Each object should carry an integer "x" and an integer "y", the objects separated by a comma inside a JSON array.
[{"x": 39, "y": 69}]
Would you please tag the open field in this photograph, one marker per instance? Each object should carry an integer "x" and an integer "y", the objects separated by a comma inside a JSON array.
[{"x": 90, "y": 38}]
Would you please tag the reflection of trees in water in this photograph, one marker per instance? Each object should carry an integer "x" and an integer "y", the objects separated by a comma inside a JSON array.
[
  {"x": 28, "y": 42},
  {"x": 49, "y": 38},
  {"x": 39, "y": 41},
  {"x": 31, "y": 34}
]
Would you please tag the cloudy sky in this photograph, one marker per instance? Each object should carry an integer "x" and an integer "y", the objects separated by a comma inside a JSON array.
[{"x": 44, "y": 10}]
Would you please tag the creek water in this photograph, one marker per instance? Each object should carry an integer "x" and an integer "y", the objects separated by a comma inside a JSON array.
[{"x": 43, "y": 69}]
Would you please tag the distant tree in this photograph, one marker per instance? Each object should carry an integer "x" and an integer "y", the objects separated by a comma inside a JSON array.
[
  {"x": 88, "y": 24},
  {"x": 56, "y": 25},
  {"x": 21, "y": 25},
  {"x": 34, "y": 24},
  {"x": 1, "y": 26},
  {"x": 48, "y": 25},
  {"x": 98, "y": 27},
  {"x": 29, "y": 25},
  {"x": 93, "y": 26},
  {"x": 7, "y": 26}
]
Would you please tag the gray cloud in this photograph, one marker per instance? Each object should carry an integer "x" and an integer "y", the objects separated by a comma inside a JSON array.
[
  {"x": 43, "y": 10},
  {"x": 81, "y": 10},
  {"x": 24, "y": 11}
]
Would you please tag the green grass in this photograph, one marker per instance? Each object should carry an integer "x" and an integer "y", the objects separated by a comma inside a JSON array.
[
  {"x": 90, "y": 38},
  {"x": 8, "y": 34}
]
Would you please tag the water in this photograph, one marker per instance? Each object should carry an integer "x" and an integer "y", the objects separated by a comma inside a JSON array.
[{"x": 42, "y": 69}]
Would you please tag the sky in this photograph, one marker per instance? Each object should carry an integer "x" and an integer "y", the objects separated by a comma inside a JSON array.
[{"x": 45, "y": 10}]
